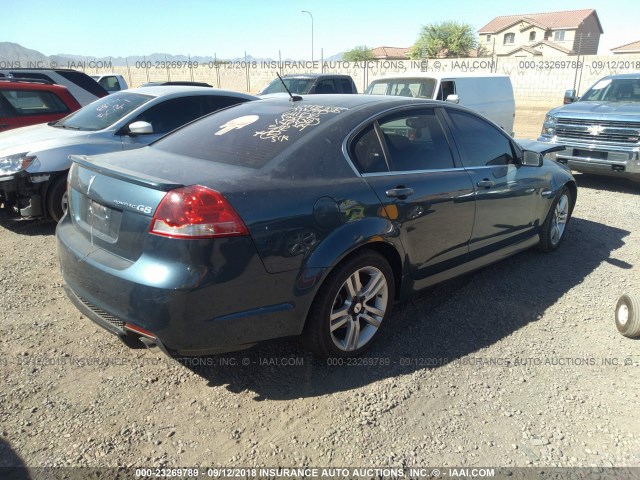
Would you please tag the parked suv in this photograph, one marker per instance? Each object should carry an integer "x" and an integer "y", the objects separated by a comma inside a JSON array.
[
  {"x": 601, "y": 130},
  {"x": 24, "y": 103},
  {"x": 83, "y": 88},
  {"x": 311, "y": 83}
]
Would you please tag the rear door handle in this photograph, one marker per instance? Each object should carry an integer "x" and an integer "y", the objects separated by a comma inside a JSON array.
[
  {"x": 4, "y": 125},
  {"x": 486, "y": 183},
  {"x": 399, "y": 192}
]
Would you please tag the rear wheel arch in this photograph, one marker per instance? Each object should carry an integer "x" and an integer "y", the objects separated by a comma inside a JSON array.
[
  {"x": 573, "y": 189},
  {"x": 392, "y": 256},
  {"x": 387, "y": 250},
  {"x": 381, "y": 266},
  {"x": 552, "y": 230}
]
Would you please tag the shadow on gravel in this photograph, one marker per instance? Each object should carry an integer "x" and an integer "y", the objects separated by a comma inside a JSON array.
[
  {"x": 443, "y": 324},
  {"x": 28, "y": 226},
  {"x": 11, "y": 465},
  {"x": 609, "y": 184}
]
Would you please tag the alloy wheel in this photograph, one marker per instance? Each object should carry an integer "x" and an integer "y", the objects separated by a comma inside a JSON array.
[
  {"x": 560, "y": 216},
  {"x": 359, "y": 308}
]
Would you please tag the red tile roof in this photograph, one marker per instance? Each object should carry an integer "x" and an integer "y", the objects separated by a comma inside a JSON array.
[
  {"x": 550, "y": 20},
  {"x": 532, "y": 48},
  {"x": 390, "y": 52},
  {"x": 532, "y": 51},
  {"x": 629, "y": 47}
]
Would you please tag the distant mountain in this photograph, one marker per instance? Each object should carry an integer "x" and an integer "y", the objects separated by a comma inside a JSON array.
[
  {"x": 335, "y": 58},
  {"x": 12, "y": 53}
]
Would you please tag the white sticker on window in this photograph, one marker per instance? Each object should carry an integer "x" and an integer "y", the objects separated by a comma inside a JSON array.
[
  {"x": 601, "y": 84},
  {"x": 237, "y": 123}
]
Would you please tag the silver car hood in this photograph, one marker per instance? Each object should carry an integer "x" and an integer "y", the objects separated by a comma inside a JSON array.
[{"x": 36, "y": 138}]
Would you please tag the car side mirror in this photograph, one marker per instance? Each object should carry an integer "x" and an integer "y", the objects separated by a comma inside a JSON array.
[
  {"x": 453, "y": 98},
  {"x": 570, "y": 96},
  {"x": 531, "y": 159},
  {"x": 140, "y": 128}
]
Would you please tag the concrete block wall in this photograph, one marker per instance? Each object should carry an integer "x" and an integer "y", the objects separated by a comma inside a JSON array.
[{"x": 538, "y": 83}]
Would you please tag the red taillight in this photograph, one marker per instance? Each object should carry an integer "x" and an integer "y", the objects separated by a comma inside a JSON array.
[{"x": 196, "y": 212}]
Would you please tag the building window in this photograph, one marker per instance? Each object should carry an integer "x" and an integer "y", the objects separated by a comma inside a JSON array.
[
  {"x": 558, "y": 35},
  {"x": 532, "y": 36},
  {"x": 488, "y": 38},
  {"x": 509, "y": 38}
]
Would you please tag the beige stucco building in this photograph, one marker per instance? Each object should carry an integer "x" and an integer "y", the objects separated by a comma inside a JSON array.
[{"x": 553, "y": 34}]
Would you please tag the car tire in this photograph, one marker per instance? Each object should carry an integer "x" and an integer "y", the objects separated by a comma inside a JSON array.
[
  {"x": 554, "y": 227},
  {"x": 351, "y": 307},
  {"x": 628, "y": 316},
  {"x": 57, "y": 198}
]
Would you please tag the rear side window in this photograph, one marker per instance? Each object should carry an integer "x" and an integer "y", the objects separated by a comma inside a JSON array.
[
  {"x": 414, "y": 141},
  {"x": 34, "y": 102},
  {"x": 213, "y": 104},
  {"x": 367, "y": 153},
  {"x": 174, "y": 113},
  {"x": 249, "y": 135},
  {"x": 480, "y": 143}
]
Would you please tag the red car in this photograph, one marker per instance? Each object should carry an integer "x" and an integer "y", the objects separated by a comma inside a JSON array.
[{"x": 24, "y": 103}]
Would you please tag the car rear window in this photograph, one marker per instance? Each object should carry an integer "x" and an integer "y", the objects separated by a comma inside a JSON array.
[
  {"x": 300, "y": 86},
  {"x": 403, "y": 87},
  {"x": 248, "y": 135},
  {"x": 34, "y": 102}
]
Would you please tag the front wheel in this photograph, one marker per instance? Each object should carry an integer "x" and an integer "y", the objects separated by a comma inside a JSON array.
[
  {"x": 57, "y": 198},
  {"x": 628, "y": 316},
  {"x": 553, "y": 229},
  {"x": 351, "y": 307}
]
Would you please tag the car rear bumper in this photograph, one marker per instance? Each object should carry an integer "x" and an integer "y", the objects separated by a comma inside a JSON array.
[{"x": 192, "y": 311}]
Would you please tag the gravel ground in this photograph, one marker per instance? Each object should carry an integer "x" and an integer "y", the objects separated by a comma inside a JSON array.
[{"x": 519, "y": 364}]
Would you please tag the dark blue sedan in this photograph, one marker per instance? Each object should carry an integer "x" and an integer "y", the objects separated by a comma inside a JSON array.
[{"x": 311, "y": 217}]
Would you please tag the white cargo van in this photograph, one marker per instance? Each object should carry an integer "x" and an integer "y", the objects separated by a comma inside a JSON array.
[{"x": 487, "y": 93}]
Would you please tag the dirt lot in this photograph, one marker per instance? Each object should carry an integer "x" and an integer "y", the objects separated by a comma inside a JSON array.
[{"x": 519, "y": 364}]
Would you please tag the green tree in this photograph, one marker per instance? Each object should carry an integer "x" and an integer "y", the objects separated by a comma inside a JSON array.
[
  {"x": 449, "y": 39},
  {"x": 360, "y": 53}
]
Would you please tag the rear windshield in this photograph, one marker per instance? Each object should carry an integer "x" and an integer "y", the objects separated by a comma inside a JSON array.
[
  {"x": 403, "y": 87},
  {"x": 248, "y": 135},
  {"x": 34, "y": 102},
  {"x": 104, "y": 112},
  {"x": 295, "y": 85}
]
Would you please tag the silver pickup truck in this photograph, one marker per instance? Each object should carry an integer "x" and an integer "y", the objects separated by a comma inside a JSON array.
[{"x": 601, "y": 129}]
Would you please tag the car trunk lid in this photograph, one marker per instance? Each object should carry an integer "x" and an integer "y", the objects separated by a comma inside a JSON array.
[{"x": 113, "y": 207}]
